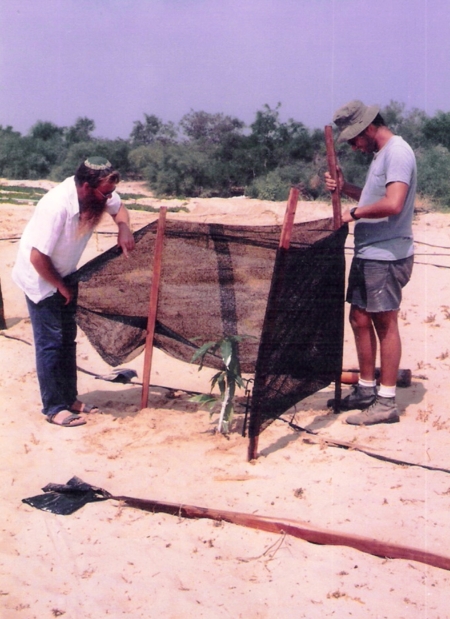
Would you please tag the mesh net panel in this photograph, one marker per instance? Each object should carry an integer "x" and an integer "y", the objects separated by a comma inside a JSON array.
[
  {"x": 221, "y": 280},
  {"x": 302, "y": 338}
]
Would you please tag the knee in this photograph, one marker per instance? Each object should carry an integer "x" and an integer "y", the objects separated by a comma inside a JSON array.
[
  {"x": 386, "y": 323},
  {"x": 359, "y": 320}
]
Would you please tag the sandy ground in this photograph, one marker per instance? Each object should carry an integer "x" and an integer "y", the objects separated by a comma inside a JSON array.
[{"x": 108, "y": 560}]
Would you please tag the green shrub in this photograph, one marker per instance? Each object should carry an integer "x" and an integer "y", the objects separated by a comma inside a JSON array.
[{"x": 433, "y": 174}]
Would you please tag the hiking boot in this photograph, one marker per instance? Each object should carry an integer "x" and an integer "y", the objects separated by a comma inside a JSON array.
[
  {"x": 383, "y": 410},
  {"x": 361, "y": 397}
]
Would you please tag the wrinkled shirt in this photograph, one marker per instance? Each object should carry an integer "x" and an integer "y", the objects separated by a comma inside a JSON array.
[
  {"x": 388, "y": 238},
  {"x": 54, "y": 231}
]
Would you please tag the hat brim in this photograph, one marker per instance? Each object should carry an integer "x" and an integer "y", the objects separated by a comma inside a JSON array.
[{"x": 355, "y": 129}]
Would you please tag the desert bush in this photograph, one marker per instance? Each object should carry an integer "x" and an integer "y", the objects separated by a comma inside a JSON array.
[
  {"x": 270, "y": 187},
  {"x": 151, "y": 131},
  {"x": 203, "y": 128},
  {"x": 79, "y": 132},
  {"x": 217, "y": 155},
  {"x": 116, "y": 151},
  {"x": 433, "y": 174},
  {"x": 173, "y": 169},
  {"x": 437, "y": 129}
]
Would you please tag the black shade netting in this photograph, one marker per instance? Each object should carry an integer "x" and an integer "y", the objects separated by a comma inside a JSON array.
[
  {"x": 216, "y": 280},
  {"x": 302, "y": 339}
]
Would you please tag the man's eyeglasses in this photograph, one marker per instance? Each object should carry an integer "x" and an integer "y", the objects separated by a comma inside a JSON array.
[{"x": 105, "y": 196}]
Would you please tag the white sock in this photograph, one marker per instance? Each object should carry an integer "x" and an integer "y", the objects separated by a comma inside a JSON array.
[
  {"x": 367, "y": 383},
  {"x": 386, "y": 392}
]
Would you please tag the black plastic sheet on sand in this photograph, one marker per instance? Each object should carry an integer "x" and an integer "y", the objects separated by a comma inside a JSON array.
[
  {"x": 65, "y": 499},
  {"x": 221, "y": 280}
]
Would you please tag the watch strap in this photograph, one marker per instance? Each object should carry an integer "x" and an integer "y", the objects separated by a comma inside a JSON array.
[{"x": 352, "y": 213}]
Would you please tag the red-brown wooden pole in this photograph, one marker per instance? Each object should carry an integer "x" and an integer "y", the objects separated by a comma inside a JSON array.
[
  {"x": 289, "y": 216},
  {"x": 285, "y": 241},
  {"x": 157, "y": 260},
  {"x": 337, "y": 223},
  {"x": 332, "y": 169},
  {"x": 300, "y": 530}
]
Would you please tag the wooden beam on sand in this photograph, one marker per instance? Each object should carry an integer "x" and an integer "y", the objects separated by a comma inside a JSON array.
[
  {"x": 300, "y": 530},
  {"x": 154, "y": 291},
  {"x": 67, "y": 498}
]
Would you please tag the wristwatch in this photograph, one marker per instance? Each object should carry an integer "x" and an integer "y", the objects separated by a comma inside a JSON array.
[{"x": 352, "y": 213}]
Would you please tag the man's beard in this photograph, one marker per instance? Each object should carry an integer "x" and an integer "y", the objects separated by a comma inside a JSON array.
[
  {"x": 91, "y": 209},
  {"x": 372, "y": 146}
]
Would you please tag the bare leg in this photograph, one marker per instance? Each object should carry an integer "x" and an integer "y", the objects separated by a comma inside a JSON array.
[
  {"x": 365, "y": 340},
  {"x": 386, "y": 326}
]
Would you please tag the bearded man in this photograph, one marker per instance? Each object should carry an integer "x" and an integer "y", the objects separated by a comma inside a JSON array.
[{"x": 50, "y": 248}]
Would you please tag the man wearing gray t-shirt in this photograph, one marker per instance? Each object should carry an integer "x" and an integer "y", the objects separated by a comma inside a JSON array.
[{"x": 383, "y": 259}]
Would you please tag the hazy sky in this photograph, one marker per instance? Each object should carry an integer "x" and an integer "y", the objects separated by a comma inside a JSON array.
[{"x": 114, "y": 60}]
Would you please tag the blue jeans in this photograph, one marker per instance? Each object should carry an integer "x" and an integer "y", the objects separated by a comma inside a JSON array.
[{"x": 54, "y": 330}]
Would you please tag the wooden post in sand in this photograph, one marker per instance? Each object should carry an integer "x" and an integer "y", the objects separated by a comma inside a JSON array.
[
  {"x": 2, "y": 312},
  {"x": 337, "y": 223},
  {"x": 285, "y": 241},
  {"x": 289, "y": 216},
  {"x": 157, "y": 259},
  {"x": 332, "y": 169}
]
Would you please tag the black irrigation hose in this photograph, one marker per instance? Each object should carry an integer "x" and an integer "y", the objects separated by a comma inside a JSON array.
[
  {"x": 429, "y": 264},
  {"x": 131, "y": 382},
  {"x": 352, "y": 447},
  {"x": 430, "y": 245},
  {"x": 135, "y": 382},
  {"x": 11, "y": 337}
]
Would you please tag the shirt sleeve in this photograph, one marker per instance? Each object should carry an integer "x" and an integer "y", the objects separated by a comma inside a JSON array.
[
  {"x": 46, "y": 227},
  {"x": 400, "y": 164},
  {"x": 113, "y": 204}
]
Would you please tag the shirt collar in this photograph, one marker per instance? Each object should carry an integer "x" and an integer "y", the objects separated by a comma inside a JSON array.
[{"x": 74, "y": 208}]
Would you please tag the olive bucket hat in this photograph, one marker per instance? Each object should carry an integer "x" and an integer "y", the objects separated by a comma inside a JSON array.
[{"x": 352, "y": 118}]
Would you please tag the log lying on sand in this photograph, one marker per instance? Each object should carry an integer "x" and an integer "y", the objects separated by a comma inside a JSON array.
[
  {"x": 296, "y": 529},
  {"x": 65, "y": 499}
]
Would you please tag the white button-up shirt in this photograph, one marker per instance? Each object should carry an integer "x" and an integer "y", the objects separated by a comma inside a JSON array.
[{"x": 54, "y": 231}]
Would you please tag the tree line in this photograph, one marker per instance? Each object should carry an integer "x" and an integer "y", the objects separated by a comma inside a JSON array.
[{"x": 218, "y": 155}]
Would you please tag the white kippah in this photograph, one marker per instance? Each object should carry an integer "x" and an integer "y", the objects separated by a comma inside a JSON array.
[{"x": 97, "y": 163}]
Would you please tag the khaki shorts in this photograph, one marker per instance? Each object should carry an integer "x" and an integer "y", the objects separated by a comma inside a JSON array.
[{"x": 376, "y": 285}]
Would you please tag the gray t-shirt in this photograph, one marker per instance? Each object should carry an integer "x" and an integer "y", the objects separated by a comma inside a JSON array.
[{"x": 388, "y": 238}]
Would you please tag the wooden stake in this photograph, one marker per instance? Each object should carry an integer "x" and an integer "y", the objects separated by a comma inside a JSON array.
[
  {"x": 285, "y": 241},
  {"x": 157, "y": 260},
  {"x": 332, "y": 169},
  {"x": 289, "y": 216},
  {"x": 337, "y": 223}
]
